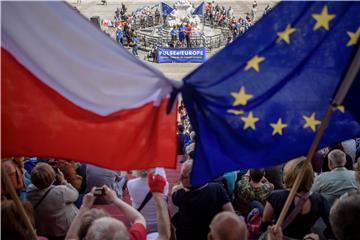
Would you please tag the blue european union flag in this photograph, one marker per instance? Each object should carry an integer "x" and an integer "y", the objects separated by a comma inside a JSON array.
[
  {"x": 166, "y": 9},
  {"x": 199, "y": 10},
  {"x": 260, "y": 101}
]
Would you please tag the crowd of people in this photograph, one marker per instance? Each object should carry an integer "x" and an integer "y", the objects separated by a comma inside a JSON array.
[
  {"x": 69, "y": 200},
  {"x": 127, "y": 25},
  {"x": 218, "y": 15}
]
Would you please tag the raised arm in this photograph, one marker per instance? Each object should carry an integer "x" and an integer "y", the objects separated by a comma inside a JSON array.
[
  {"x": 156, "y": 184},
  {"x": 70, "y": 194},
  {"x": 88, "y": 201},
  {"x": 130, "y": 213}
]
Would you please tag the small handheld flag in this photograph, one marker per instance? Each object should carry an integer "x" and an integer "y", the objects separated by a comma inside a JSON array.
[
  {"x": 199, "y": 10},
  {"x": 166, "y": 9}
]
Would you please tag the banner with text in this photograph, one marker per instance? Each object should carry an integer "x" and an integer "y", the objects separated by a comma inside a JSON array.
[{"x": 180, "y": 55}]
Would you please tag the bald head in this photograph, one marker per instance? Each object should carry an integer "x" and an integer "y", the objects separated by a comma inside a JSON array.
[
  {"x": 107, "y": 228},
  {"x": 337, "y": 158},
  {"x": 227, "y": 226}
]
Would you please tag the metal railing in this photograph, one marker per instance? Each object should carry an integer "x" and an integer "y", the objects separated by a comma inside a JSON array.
[{"x": 147, "y": 41}]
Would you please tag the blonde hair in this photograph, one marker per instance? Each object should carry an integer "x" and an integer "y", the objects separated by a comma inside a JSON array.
[
  {"x": 293, "y": 168},
  {"x": 88, "y": 218},
  {"x": 107, "y": 228}
]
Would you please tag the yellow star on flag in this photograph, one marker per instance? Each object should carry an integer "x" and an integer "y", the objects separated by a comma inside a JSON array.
[
  {"x": 241, "y": 97},
  {"x": 236, "y": 112},
  {"x": 254, "y": 63},
  {"x": 323, "y": 19},
  {"x": 250, "y": 121},
  {"x": 341, "y": 108},
  {"x": 285, "y": 35},
  {"x": 311, "y": 122},
  {"x": 278, "y": 127},
  {"x": 354, "y": 37}
]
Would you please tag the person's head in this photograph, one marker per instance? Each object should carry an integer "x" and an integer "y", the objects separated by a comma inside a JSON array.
[
  {"x": 337, "y": 158},
  {"x": 345, "y": 215},
  {"x": 107, "y": 228},
  {"x": 185, "y": 173},
  {"x": 141, "y": 173},
  {"x": 181, "y": 128},
  {"x": 88, "y": 218},
  {"x": 227, "y": 226},
  {"x": 42, "y": 175},
  {"x": 256, "y": 174},
  {"x": 293, "y": 168},
  {"x": 11, "y": 222},
  {"x": 19, "y": 161}
]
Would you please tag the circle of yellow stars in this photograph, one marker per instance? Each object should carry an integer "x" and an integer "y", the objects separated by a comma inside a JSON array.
[{"x": 242, "y": 97}]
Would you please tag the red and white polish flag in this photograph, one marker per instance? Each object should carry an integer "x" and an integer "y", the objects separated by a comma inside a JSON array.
[{"x": 69, "y": 91}]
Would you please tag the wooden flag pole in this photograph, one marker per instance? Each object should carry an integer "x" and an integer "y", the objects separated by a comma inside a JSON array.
[
  {"x": 299, "y": 177},
  {"x": 18, "y": 204},
  {"x": 339, "y": 97}
]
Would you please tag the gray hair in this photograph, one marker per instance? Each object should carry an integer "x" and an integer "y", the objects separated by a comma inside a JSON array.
[
  {"x": 107, "y": 228},
  {"x": 337, "y": 157},
  {"x": 141, "y": 173}
]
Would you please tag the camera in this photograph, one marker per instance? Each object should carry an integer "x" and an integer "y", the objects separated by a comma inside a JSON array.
[{"x": 99, "y": 191}]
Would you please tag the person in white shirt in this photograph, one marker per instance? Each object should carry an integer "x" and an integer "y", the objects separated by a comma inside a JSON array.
[{"x": 138, "y": 189}]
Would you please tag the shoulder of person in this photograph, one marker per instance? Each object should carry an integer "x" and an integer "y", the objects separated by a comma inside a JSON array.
[
  {"x": 179, "y": 193},
  {"x": 280, "y": 193},
  {"x": 321, "y": 176},
  {"x": 31, "y": 188},
  {"x": 133, "y": 181},
  {"x": 214, "y": 186},
  {"x": 61, "y": 187},
  {"x": 318, "y": 198}
]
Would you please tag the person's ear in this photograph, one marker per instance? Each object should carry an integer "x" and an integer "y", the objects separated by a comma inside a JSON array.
[
  {"x": 330, "y": 165},
  {"x": 210, "y": 236}
]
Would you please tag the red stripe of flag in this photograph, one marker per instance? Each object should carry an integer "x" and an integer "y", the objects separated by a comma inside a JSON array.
[{"x": 37, "y": 121}]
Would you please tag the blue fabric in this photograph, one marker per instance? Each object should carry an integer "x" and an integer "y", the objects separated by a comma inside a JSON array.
[
  {"x": 136, "y": 40},
  {"x": 119, "y": 33},
  {"x": 199, "y": 10},
  {"x": 174, "y": 32},
  {"x": 181, "y": 55},
  {"x": 230, "y": 178},
  {"x": 258, "y": 205},
  {"x": 294, "y": 81},
  {"x": 182, "y": 33},
  {"x": 166, "y": 9}
]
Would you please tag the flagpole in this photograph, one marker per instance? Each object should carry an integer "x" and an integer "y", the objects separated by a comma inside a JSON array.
[
  {"x": 19, "y": 206},
  {"x": 339, "y": 97}
]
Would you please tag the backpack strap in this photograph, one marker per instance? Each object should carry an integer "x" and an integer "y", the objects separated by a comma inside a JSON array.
[
  {"x": 145, "y": 201},
  {"x": 42, "y": 198},
  {"x": 299, "y": 205}
]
